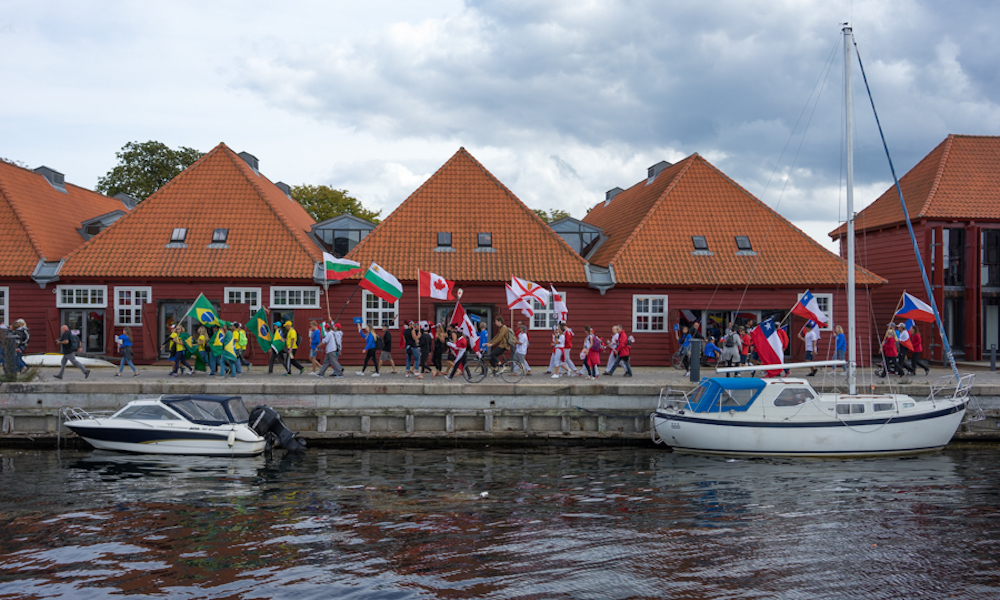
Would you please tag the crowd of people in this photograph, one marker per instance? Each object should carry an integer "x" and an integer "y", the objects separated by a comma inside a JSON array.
[{"x": 902, "y": 351}]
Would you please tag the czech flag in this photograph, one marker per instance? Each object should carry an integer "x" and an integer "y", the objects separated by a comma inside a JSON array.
[
  {"x": 767, "y": 343},
  {"x": 808, "y": 308},
  {"x": 915, "y": 309},
  {"x": 203, "y": 312}
]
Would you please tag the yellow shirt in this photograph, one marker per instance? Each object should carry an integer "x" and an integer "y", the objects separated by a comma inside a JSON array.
[
  {"x": 293, "y": 339},
  {"x": 177, "y": 342},
  {"x": 201, "y": 343}
]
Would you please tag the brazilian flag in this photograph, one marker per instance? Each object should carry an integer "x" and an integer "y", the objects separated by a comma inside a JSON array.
[
  {"x": 260, "y": 328},
  {"x": 203, "y": 312},
  {"x": 229, "y": 348},
  {"x": 189, "y": 345},
  {"x": 277, "y": 340},
  {"x": 218, "y": 342}
]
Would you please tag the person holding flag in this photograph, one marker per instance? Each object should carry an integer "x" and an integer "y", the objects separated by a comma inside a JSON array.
[
  {"x": 905, "y": 347},
  {"x": 258, "y": 325},
  {"x": 459, "y": 344},
  {"x": 277, "y": 348},
  {"x": 203, "y": 312},
  {"x": 918, "y": 347}
]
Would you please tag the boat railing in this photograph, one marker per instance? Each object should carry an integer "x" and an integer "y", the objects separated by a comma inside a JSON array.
[
  {"x": 947, "y": 389},
  {"x": 672, "y": 399},
  {"x": 76, "y": 413}
]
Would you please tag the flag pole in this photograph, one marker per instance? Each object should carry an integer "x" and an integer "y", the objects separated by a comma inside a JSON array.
[
  {"x": 419, "y": 313},
  {"x": 346, "y": 303},
  {"x": 326, "y": 292}
]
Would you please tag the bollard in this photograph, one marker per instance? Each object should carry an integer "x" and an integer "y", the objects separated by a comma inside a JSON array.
[
  {"x": 696, "y": 361},
  {"x": 993, "y": 357}
]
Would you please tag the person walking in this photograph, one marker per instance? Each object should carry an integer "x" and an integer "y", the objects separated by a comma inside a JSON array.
[
  {"x": 291, "y": 345},
  {"x": 903, "y": 337},
  {"x": 412, "y": 348},
  {"x": 277, "y": 356},
  {"x": 556, "y": 358},
  {"x": 124, "y": 342},
  {"x": 315, "y": 339},
  {"x": 23, "y": 337},
  {"x": 438, "y": 352},
  {"x": 568, "y": 349},
  {"x": 426, "y": 345},
  {"x": 890, "y": 352},
  {"x": 201, "y": 347},
  {"x": 369, "y": 349},
  {"x": 591, "y": 353},
  {"x": 624, "y": 351},
  {"x": 240, "y": 342},
  {"x": 732, "y": 347},
  {"x": 521, "y": 349},
  {"x": 177, "y": 350},
  {"x": 684, "y": 338},
  {"x": 385, "y": 355},
  {"x": 69, "y": 344},
  {"x": 840, "y": 347},
  {"x": 918, "y": 347},
  {"x": 332, "y": 340},
  {"x": 459, "y": 344},
  {"x": 613, "y": 346},
  {"x": 811, "y": 338}
]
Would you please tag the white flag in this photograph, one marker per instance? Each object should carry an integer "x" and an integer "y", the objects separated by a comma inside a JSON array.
[
  {"x": 528, "y": 290},
  {"x": 516, "y": 302},
  {"x": 559, "y": 305}
]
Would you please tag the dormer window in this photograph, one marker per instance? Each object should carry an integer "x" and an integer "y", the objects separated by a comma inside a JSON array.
[
  {"x": 485, "y": 240},
  {"x": 444, "y": 239},
  {"x": 743, "y": 243},
  {"x": 700, "y": 243},
  {"x": 219, "y": 236},
  {"x": 179, "y": 235}
]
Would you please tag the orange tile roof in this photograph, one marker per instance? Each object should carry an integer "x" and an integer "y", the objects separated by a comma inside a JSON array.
[
  {"x": 959, "y": 179},
  {"x": 41, "y": 222},
  {"x": 650, "y": 229},
  {"x": 268, "y": 232},
  {"x": 463, "y": 198}
]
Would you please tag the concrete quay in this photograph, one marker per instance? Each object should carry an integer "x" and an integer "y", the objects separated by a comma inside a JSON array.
[{"x": 395, "y": 410}]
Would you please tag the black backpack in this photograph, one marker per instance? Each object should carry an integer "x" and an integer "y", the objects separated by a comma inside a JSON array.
[
  {"x": 730, "y": 340},
  {"x": 74, "y": 343},
  {"x": 379, "y": 343}
]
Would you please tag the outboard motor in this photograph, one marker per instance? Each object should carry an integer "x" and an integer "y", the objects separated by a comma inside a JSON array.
[{"x": 267, "y": 423}]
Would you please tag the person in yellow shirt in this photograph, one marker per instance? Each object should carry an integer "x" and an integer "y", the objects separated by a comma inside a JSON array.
[
  {"x": 177, "y": 349},
  {"x": 240, "y": 341},
  {"x": 291, "y": 344}
]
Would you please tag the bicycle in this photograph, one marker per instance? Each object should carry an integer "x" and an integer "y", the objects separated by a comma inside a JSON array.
[
  {"x": 476, "y": 369},
  {"x": 677, "y": 360}
]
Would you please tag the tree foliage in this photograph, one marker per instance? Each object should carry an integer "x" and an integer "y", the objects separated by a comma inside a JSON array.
[
  {"x": 144, "y": 167},
  {"x": 323, "y": 202},
  {"x": 15, "y": 162},
  {"x": 553, "y": 215}
]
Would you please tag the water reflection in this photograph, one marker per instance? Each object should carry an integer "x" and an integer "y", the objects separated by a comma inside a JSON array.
[{"x": 573, "y": 523}]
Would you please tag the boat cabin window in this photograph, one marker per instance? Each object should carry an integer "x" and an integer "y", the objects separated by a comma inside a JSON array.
[
  {"x": 146, "y": 412},
  {"x": 793, "y": 397},
  {"x": 202, "y": 410},
  {"x": 238, "y": 410},
  {"x": 737, "y": 397},
  {"x": 850, "y": 409},
  {"x": 722, "y": 394},
  {"x": 883, "y": 406}
]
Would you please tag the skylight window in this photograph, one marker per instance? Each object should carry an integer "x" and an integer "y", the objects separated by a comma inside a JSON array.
[
  {"x": 485, "y": 240},
  {"x": 743, "y": 243},
  {"x": 179, "y": 235},
  {"x": 444, "y": 239},
  {"x": 700, "y": 243},
  {"x": 219, "y": 236}
]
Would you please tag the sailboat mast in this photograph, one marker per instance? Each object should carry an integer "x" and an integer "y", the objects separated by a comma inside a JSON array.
[{"x": 852, "y": 380}]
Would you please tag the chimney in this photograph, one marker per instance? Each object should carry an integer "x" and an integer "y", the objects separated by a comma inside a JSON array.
[
  {"x": 655, "y": 170},
  {"x": 55, "y": 178},
  {"x": 250, "y": 160},
  {"x": 610, "y": 195},
  {"x": 127, "y": 199},
  {"x": 284, "y": 187}
]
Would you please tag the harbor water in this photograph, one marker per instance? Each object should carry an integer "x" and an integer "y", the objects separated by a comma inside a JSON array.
[{"x": 553, "y": 522}]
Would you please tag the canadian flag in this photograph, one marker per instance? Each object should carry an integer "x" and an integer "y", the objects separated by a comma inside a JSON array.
[
  {"x": 559, "y": 305},
  {"x": 433, "y": 285},
  {"x": 464, "y": 324},
  {"x": 516, "y": 302}
]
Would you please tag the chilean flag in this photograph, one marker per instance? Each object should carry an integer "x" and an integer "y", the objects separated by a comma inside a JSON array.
[
  {"x": 808, "y": 308},
  {"x": 915, "y": 309},
  {"x": 767, "y": 343},
  {"x": 461, "y": 320}
]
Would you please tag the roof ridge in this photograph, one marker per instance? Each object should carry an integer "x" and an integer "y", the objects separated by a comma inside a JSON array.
[
  {"x": 653, "y": 208},
  {"x": 6, "y": 193},
  {"x": 942, "y": 163},
  {"x": 263, "y": 196}
]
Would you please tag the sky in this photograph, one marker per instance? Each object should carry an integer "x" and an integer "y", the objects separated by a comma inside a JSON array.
[{"x": 560, "y": 100}]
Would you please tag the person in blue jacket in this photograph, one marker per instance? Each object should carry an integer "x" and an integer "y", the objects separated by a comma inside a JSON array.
[
  {"x": 369, "y": 349},
  {"x": 125, "y": 348},
  {"x": 711, "y": 351}
]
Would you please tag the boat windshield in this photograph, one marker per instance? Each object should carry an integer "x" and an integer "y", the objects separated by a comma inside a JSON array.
[
  {"x": 723, "y": 394},
  {"x": 146, "y": 412},
  {"x": 238, "y": 410},
  {"x": 202, "y": 411}
]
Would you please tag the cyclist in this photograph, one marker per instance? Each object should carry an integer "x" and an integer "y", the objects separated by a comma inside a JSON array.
[{"x": 500, "y": 342}]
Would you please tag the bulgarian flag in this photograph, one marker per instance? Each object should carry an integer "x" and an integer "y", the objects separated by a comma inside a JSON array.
[
  {"x": 381, "y": 283},
  {"x": 338, "y": 268}
]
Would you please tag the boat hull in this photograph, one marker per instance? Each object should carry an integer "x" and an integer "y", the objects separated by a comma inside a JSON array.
[
  {"x": 723, "y": 433},
  {"x": 139, "y": 439}
]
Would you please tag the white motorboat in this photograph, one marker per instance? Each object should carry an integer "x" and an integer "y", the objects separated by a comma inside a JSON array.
[
  {"x": 785, "y": 416},
  {"x": 192, "y": 425}
]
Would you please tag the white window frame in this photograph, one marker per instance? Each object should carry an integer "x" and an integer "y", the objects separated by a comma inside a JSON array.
[
  {"x": 102, "y": 303},
  {"x": 302, "y": 289},
  {"x": 649, "y": 313},
  {"x": 829, "y": 308},
  {"x": 134, "y": 306},
  {"x": 5, "y": 305},
  {"x": 543, "y": 318},
  {"x": 242, "y": 292},
  {"x": 379, "y": 312}
]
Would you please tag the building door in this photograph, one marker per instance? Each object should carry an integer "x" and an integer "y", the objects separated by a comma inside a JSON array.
[
  {"x": 477, "y": 313},
  {"x": 172, "y": 312},
  {"x": 954, "y": 324},
  {"x": 991, "y": 325},
  {"x": 715, "y": 324},
  {"x": 88, "y": 325}
]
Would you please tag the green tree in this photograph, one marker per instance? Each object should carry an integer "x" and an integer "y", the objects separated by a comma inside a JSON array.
[
  {"x": 554, "y": 214},
  {"x": 145, "y": 167},
  {"x": 323, "y": 202}
]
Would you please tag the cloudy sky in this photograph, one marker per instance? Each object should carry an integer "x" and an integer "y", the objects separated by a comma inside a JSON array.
[{"x": 561, "y": 100}]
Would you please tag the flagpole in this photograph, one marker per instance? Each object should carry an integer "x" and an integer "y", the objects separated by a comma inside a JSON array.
[
  {"x": 346, "y": 303},
  {"x": 418, "y": 296},
  {"x": 326, "y": 292}
]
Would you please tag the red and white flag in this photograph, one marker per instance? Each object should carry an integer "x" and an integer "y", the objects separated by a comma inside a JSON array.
[
  {"x": 559, "y": 305},
  {"x": 808, "y": 307},
  {"x": 515, "y": 302},
  {"x": 433, "y": 285},
  {"x": 529, "y": 291},
  {"x": 461, "y": 320},
  {"x": 768, "y": 344}
]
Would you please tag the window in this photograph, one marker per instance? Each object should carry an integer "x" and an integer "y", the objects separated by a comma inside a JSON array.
[
  {"x": 295, "y": 297},
  {"x": 251, "y": 296},
  {"x": 793, "y": 397},
  {"x": 379, "y": 313},
  {"x": 444, "y": 239},
  {"x": 743, "y": 243},
  {"x": 219, "y": 236},
  {"x": 70, "y": 296},
  {"x": 128, "y": 304},
  {"x": 4, "y": 308},
  {"x": 954, "y": 257},
  {"x": 649, "y": 313},
  {"x": 179, "y": 235},
  {"x": 883, "y": 406},
  {"x": 485, "y": 240},
  {"x": 825, "y": 302},
  {"x": 544, "y": 317},
  {"x": 850, "y": 409},
  {"x": 991, "y": 257},
  {"x": 699, "y": 241}
]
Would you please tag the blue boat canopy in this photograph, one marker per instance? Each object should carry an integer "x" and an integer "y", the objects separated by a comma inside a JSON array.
[{"x": 723, "y": 394}]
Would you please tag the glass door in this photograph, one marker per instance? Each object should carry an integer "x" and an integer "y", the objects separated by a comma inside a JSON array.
[
  {"x": 88, "y": 326},
  {"x": 173, "y": 313}
]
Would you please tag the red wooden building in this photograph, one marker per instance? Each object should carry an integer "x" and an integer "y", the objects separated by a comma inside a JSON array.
[
  {"x": 953, "y": 199},
  {"x": 44, "y": 219}
]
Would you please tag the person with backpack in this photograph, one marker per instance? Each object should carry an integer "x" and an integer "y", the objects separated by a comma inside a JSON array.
[
  {"x": 332, "y": 340},
  {"x": 426, "y": 343},
  {"x": 591, "y": 353},
  {"x": 501, "y": 342},
  {"x": 732, "y": 347},
  {"x": 69, "y": 344},
  {"x": 624, "y": 350}
]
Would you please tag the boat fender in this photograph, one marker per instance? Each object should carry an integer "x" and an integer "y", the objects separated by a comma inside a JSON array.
[{"x": 232, "y": 437}]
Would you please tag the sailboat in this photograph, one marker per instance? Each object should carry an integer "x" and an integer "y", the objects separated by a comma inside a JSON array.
[{"x": 786, "y": 416}]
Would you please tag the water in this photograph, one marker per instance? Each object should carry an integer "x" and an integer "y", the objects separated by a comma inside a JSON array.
[{"x": 552, "y": 523}]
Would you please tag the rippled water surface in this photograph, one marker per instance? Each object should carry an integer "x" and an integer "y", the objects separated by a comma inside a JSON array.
[{"x": 552, "y": 523}]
